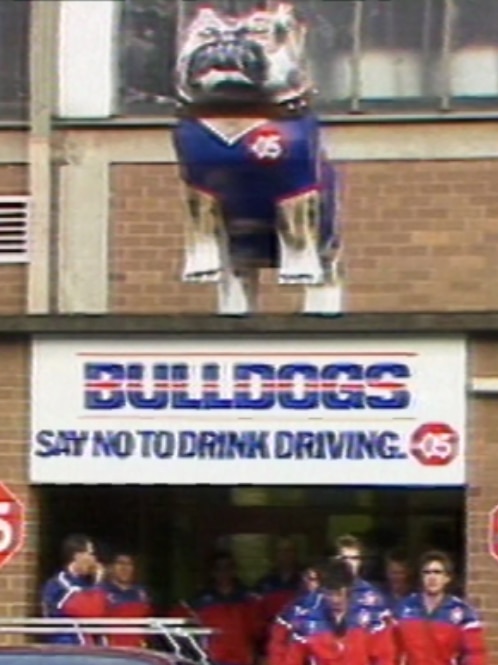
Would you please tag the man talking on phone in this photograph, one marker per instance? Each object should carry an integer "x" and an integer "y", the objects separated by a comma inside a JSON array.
[{"x": 75, "y": 591}]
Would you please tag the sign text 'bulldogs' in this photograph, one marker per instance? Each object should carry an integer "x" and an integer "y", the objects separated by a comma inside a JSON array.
[{"x": 111, "y": 386}]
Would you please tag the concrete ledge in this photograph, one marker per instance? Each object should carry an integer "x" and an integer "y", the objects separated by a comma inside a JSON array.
[
  {"x": 485, "y": 385},
  {"x": 353, "y": 142},
  {"x": 475, "y": 323}
]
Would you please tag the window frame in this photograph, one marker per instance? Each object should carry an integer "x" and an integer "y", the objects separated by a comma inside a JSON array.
[{"x": 357, "y": 109}]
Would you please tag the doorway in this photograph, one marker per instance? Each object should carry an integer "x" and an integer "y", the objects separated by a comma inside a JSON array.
[{"x": 175, "y": 529}]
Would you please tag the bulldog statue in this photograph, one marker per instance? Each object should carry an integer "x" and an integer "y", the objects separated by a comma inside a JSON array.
[{"x": 259, "y": 190}]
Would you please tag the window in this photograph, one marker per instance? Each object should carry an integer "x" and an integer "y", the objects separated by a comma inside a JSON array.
[
  {"x": 147, "y": 52},
  {"x": 365, "y": 55},
  {"x": 473, "y": 71},
  {"x": 377, "y": 52},
  {"x": 14, "y": 74}
]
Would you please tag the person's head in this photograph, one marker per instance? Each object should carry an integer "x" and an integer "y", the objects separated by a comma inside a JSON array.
[
  {"x": 223, "y": 569},
  {"x": 336, "y": 581},
  {"x": 436, "y": 572},
  {"x": 122, "y": 568},
  {"x": 350, "y": 550},
  {"x": 397, "y": 570},
  {"x": 78, "y": 553},
  {"x": 286, "y": 557},
  {"x": 312, "y": 575}
]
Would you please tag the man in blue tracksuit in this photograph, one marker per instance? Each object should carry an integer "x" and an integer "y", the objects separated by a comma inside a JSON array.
[
  {"x": 75, "y": 592},
  {"x": 350, "y": 550}
]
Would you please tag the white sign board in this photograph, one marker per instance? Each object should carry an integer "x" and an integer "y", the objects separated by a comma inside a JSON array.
[{"x": 249, "y": 411}]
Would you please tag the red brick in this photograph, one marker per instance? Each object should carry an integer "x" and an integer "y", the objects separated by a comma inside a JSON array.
[
  {"x": 417, "y": 236},
  {"x": 18, "y": 584}
]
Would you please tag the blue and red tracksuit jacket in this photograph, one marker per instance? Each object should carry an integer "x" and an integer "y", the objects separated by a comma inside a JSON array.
[
  {"x": 365, "y": 593},
  {"x": 362, "y": 637},
  {"x": 275, "y": 593},
  {"x": 129, "y": 603},
  {"x": 67, "y": 596},
  {"x": 392, "y": 600},
  {"x": 236, "y": 619},
  {"x": 452, "y": 633},
  {"x": 306, "y": 607}
]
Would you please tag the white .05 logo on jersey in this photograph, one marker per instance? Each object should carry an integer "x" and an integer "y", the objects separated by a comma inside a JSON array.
[
  {"x": 364, "y": 617},
  {"x": 457, "y": 615},
  {"x": 267, "y": 145},
  {"x": 370, "y": 598}
]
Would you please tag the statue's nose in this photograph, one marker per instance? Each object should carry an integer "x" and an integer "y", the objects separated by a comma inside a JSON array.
[{"x": 228, "y": 37}]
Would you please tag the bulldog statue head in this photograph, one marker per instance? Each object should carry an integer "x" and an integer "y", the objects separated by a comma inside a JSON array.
[{"x": 259, "y": 56}]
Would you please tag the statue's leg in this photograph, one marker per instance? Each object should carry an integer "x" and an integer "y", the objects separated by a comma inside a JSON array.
[
  {"x": 203, "y": 260},
  {"x": 326, "y": 298},
  {"x": 239, "y": 283},
  {"x": 298, "y": 234},
  {"x": 238, "y": 291}
]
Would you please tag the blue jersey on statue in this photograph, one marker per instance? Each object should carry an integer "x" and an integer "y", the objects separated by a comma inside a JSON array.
[{"x": 250, "y": 173}]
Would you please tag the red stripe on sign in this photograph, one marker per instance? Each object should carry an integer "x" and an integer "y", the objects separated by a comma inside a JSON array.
[
  {"x": 246, "y": 385},
  {"x": 278, "y": 354}
]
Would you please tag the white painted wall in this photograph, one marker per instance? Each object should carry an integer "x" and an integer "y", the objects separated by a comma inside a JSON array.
[{"x": 88, "y": 54}]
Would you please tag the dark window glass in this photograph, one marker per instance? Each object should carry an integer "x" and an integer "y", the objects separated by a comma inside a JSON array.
[
  {"x": 364, "y": 54},
  {"x": 330, "y": 47},
  {"x": 147, "y": 53},
  {"x": 400, "y": 48},
  {"x": 14, "y": 71},
  {"x": 474, "y": 49}
]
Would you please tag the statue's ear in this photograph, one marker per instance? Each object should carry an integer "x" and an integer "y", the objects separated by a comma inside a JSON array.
[
  {"x": 206, "y": 11},
  {"x": 284, "y": 8},
  {"x": 205, "y": 15}
]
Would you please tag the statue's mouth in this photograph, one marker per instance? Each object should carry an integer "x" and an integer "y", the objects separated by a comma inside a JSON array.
[{"x": 227, "y": 65}]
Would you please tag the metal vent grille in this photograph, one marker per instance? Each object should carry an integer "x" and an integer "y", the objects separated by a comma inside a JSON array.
[{"x": 14, "y": 229}]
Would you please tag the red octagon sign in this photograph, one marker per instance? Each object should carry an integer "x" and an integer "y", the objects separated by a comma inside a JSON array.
[
  {"x": 11, "y": 525},
  {"x": 493, "y": 533}
]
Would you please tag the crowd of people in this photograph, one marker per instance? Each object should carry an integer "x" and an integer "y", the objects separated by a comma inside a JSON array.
[{"x": 324, "y": 613}]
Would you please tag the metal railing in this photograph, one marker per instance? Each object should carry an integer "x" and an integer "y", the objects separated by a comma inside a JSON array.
[{"x": 179, "y": 634}]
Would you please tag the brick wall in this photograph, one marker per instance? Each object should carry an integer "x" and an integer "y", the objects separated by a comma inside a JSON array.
[
  {"x": 147, "y": 242},
  {"x": 18, "y": 583},
  {"x": 482, "y": 464},
  {"x": 13, "y": 277},
  {"x": 418, "y": 235}
]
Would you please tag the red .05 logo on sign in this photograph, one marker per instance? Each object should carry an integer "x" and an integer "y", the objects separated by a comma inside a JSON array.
[
  {"x": 266, "y": 144},
  {"x": 434, "y": 444},
  {"x": 12, "y": 525}
]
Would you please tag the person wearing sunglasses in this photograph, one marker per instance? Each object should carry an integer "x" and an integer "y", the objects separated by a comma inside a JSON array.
[
  {"x": 434, "y": 627},
  {"x": 344, "y": 631}
]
